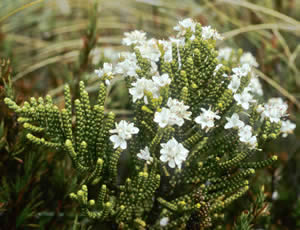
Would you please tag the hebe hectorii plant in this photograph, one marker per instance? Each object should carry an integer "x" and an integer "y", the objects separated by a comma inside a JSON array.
[{"x": 197, "y": 123}]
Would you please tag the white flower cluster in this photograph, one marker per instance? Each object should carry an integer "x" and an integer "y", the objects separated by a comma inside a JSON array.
[
  {"x": 124, "y": 131},
  {"x": 206, "y": 118},
  {"x": 144, "y": 154},
  {"x": 245, "y": 97},
  {"x": 153, "y": 86},
  {"x": 275, "y": 109},
  {"x": 105, "y": 72},
  {"x": 287, "y": 127},
  {"x": 184, "y": 25},
  {"x": 176, "y": 112},
  {"x": 245, "y": 134},
  {"x": 245, "y": 131},
  {"x": 208, "y": 33},
  {"x": 171, "y": 152},
  {"x": 239, "y": 72},
  {"x": 255, "y": 86},
  {"x": 247, "y": 60},
  {"x": 174, "y": 153},
  {"x": 188, "y": 24},
  {"x": 128, "y": 66},
  {"x": 225, "y": 53},
  {"x": 174, "y": 115}
]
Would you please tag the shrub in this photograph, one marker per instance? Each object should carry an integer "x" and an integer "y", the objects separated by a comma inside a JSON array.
[{"x": 186, "y": 154}]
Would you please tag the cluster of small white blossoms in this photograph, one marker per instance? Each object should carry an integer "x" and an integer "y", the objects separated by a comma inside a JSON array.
[
  {"x": 172, "y": 152},
  {"x": 124, "y": 131},
  {"x": 247, "y": 60},
  {"x": 176, "y": 112},
  {"x": 142, "y": 85},
  {"x": 274, "y": 110},
  {"x": 106, "y": 72},
  {"x": 245, "y": 97},
  {"x": 174, "y": 115},
  {"x": 206, "y": 119},
  {"x": 244, "y": 131},
  {"x": 189, "y": 24}
]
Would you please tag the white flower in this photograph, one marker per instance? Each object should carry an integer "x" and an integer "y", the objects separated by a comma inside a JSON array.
[
  {"x": 128, "y": 66},
  {"x": 164, "y": 221},
  {"x": 244, "y": 99},
  {"x": 242, "y": 71},
  {"x": 206, "y": 119},
  {"x": 245, "y": 134},
  {"x": 219, "y": 66},
  {"x": 287, "y": 127},
  {"x": 162, "y": 80},
  {"x": 163, "y": 118},
  {"x": 247, "y": 58},
  {"x": 208, "y": 32},
  {"x": 224, "y": 53},
  {"x": 144, "y": 154},
  {"x": 124, "y": 131},
  {"x": 175, "y": 115},
  {"x": 275, "y": 109},
  {"x": 174, "y": 153},
  {"x": 184, "y": 25},
  {"x": 150, "y": 50},
  {"x": 234, "y": 83},
  {"x": 134, "y": 37},
  {"x": 118, "y": 141},
  {"x": 178, "y": 108},
  {"x": 167, "y": 117},
  {"x": 106, "y": 70},
  {"x": 142, "y": 85},
  {"x": 234, "y": 122},
  {"x": 255, "y": 86}
]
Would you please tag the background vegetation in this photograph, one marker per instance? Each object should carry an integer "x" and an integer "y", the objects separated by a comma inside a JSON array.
[{"x": 53, "y": 42}]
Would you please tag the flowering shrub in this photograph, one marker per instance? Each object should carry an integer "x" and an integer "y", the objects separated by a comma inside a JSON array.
[{"x": 198, "y": 120}]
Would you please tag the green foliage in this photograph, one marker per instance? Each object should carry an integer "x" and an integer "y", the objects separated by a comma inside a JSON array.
[
  {"x": 215, "y": 174},
  {"x": 259, "y": 210},
  {"x": 48, "y": 50},
  {"x": 24, "y": 172}
]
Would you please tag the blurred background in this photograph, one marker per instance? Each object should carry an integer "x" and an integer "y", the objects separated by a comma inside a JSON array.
[{"x": 53, "y": 42}]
